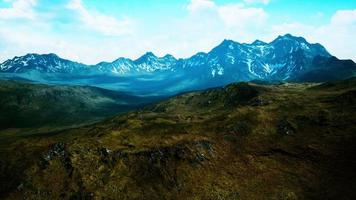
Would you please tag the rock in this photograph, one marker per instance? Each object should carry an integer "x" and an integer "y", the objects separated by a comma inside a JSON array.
[
  {"x": 106, "y": 156},
  {"x": 20, "y": 187},
  {"x": 258, "y": 101},
  {"x": 285, "y": 128},
  {"x": 57, "y": 150},
  {"x": 159, "y": 164}
]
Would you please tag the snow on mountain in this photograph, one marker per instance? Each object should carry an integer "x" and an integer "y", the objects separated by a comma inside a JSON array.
[
  {"x": 285, "y": 58},
  {"x": 151, "y": 63},
  {"x": 119, "y": 66},
  {"x": 48, "y": 63},
  {"x": 280, "y": 59},
  {"x": 147, "y": 63}
]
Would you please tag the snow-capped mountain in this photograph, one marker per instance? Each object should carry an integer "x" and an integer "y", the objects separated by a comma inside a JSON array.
[
  {"x": 147, "y": 63},
  {"x": 119, "y": 66},
  {"x": 151, "y": 63},
  {"x": 281, "y": 59},
  {"x": 285, "y": 58},
  {"x": 46, "y": 63}
]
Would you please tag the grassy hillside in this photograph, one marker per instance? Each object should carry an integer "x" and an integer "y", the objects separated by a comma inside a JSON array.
[
  {"x": 24, "y": 105},
  {"x": 243, "y": 141}
]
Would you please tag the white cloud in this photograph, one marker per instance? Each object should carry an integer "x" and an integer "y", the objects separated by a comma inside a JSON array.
[
  {"x": 84, "y": 38},
  {"x": 196, "y": 5},
  {"x": 338, "y": 36},
  {"x": 88, "y": 50},
  {"x": 236, "y": 15},
  {"x": 105, "y": 24},
  {"x": 232, "y": 15},
  {"x": 344, "y": 17},
  {"x": 19, "y": 9},
  {"x": 257, "y": 1}
]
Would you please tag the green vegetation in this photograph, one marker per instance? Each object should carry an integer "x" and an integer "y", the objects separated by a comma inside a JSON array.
[
  {"x": 25, "y": 105},
  {"x": 243, "y": 141}
]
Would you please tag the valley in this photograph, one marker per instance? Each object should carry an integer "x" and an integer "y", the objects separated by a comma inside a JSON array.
[{"x": 27, "y": 108}]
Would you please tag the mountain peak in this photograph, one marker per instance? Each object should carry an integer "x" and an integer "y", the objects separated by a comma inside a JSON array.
[
  {"x": 289, "y": 36},
  {"x": 53, "y": 55},
  {"x": 227, "y": 42},
  {"x": 225, "y": 45},
  {"x": 258, "y": 42},
  {"x": 149, "y": 54},
  {"x": 34, "y": 55},
  {"x": 169, "y": 56}
]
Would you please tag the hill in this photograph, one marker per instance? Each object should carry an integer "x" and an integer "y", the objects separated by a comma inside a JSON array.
[
  {"x": 28, "y": 105},
  {"x": 242, "y": 141}
]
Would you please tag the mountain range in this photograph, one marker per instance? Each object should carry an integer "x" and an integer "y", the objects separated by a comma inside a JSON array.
[{"x": 287, "y": 58}]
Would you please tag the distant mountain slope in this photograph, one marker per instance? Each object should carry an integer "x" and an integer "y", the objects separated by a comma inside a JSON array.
[
  {"x": 279, "y": 59},
  {"x": 24, "y": 105},
  {"x": 287, "y": 58},
  {"x": 46, "y": 63},
  {"x": 241, "y": 141},
  {"x": 327, "y": 69},
  {"x": 147, "y": 63}
]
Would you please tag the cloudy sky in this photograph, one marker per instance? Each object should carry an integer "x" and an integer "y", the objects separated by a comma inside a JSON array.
[{"x": 91, "y": 31}]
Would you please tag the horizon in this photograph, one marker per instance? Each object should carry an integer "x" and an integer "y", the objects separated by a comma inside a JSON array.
[
  {"x": 158, "y": 56},
  {"x": 94, "y": 31}
]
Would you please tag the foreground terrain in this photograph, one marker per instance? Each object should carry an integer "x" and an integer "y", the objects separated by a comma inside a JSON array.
[{"x": 243, "y": 141}]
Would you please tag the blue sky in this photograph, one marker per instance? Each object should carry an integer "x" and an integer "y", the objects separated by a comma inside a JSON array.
[{"x": 91, "y": 31}]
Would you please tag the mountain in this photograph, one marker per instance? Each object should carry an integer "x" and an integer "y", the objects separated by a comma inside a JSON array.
[
  {"x": 28, "y": 105},
  {"x": 147, "y": 63},
  {"x": 327, "y": 69},
  {"x": 281, "y": 59},
  {"x": 46, "y": 63},
  {"x": 287, "y": 58},
  {"x": 241, "y": 141}
]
